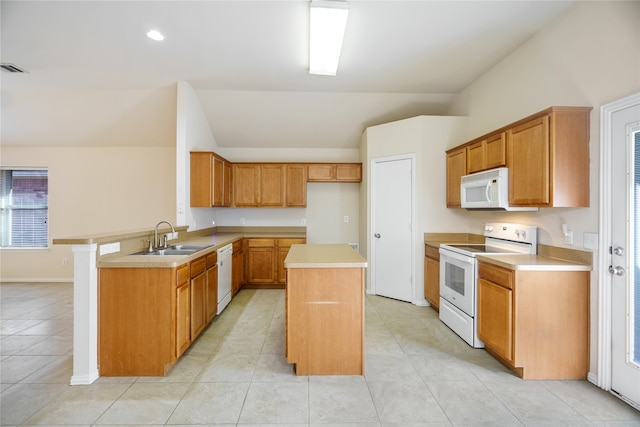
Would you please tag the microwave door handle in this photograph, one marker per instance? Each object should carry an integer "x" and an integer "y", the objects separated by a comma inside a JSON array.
[{"x": 488, "y": 192}]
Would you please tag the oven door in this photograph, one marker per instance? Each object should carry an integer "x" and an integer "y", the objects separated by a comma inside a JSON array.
[{"x": 458, "y": 280}]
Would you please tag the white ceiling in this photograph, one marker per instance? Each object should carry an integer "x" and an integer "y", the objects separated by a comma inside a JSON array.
[{"x": 94, "y": 78}]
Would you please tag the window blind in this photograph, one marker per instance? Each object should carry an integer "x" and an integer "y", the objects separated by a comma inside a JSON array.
[{"x": 24, "y": 208}]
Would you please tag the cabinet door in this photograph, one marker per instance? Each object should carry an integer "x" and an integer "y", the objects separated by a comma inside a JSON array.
[
  {"x": 432, "y": 281},
  {"x": 183, "y": 321},
  {"x": 476, "y": 160},
  {"x": 246, "y": 185},
  {"x": 456, "y": 169},
  {"x": 296, "y": 186},
  {"x": 218, "y": 181},
  {"x": 226, "y": 184},
  {"x": 198, "y": 301},
  {"x": 272, "y": 190},
  {"x": 237, "y": 273},
  {"x": 349, "y": 172},
  {"x": 261, "y": 260},
  {"x": 200, "y": 188},
  {"x": 211, "y": 305},
  {"x": 495, "y": 151},
  {"x": 529, "y": 168},
  {"x": 321, "y": 172},
  {"x": 495, "y": 318}
]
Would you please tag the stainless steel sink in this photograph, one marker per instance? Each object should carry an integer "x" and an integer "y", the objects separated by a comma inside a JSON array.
[{"x": 176, "y": 250}]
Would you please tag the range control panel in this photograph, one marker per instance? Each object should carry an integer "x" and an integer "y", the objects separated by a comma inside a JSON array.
[{"x": 512, "y": 232}]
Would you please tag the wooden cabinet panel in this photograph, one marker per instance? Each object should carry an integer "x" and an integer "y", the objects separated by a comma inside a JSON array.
[
  {"x": 237, "y": 266},
  {"x": 488, "y": 153},
  {"x": 296, "y": 182},
  {"x": 211, "y": 296},
  {"x": 548, "y": 159},
  {"x": 321, "y": 172},
  {"x": 529, "y": 158},
  {"x": 198, "y": 304},
  {"x": 246, "y": 185},
  {"x": 272, "y": 189},
  {"x": 495, "y": 318},
  {"x": 456, "y": 169},
  {"x": 335, "y": 172},
  {"x": 432, "y": 276},
  {"x": 261, "y": 260},
  {"x": 183, "y": 319},
  {"x": 210, "y": 184}
]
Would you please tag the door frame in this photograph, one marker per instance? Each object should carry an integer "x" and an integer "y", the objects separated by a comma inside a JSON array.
[
  {"x": 372, "y": 219},
  {"x": 605, "y": 311}
]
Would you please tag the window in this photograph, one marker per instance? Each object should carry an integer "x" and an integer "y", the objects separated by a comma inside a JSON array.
[{"x": 24, "y": 208}]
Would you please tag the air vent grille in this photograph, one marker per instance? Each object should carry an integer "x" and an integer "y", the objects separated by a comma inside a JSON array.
[{"x": 10, "y": 68}]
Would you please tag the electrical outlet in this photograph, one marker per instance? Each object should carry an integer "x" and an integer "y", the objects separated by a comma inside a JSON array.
[
  {"x": 568, "y": 238},
  {"x": 303, "y": 221},
  {"x": 346, "y": 218},
  {"x": 64, "y": 261}
]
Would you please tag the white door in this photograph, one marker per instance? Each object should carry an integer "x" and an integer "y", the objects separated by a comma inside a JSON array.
[
  {"x": 625, "y": 253},
  {"x": 391, "y": 226}
]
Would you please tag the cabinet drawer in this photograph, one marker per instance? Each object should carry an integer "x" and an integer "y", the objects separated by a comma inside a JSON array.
[
  {"x": 198, "y": 266},
  {"x": 432, "y": 252},
  {"x": 182, "y": 274},
  {"x": 212, "y": 259},
  {"x": 497, "y": 275},
  {"x": 261, "y": 243}
]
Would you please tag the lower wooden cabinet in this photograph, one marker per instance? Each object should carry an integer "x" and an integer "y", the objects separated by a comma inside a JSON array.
[
  {"x": 211, "y": 295},
  {"x": 535, "y": 322},
  {"x": 265, "y": 261},
  {"x": 432, "y": 276},
  {"x": 237, "y": 267},
  {"x": 198, "y": 296},
  {"x": 183, "y": 312}
]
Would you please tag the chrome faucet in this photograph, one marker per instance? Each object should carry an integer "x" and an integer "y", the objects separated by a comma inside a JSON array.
[{"x": 156, "y": 242}]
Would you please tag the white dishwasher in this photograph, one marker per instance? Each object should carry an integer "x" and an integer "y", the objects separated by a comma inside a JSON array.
[{"x": 224, "y": 276}]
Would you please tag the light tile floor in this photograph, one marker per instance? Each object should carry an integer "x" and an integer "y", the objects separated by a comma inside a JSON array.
[{"x": 418, "y": 373}]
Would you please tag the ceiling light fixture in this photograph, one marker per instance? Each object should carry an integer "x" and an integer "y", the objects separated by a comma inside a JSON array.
[
  {"x": 155, "y": 35},
  {"x": 328, "y": 20}
]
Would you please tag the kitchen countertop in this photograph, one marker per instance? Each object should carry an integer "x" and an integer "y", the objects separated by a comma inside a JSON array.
[
  {"x": 528, "y": 262},
  {"x": 324, "y": 256},
  {"x": 216, "y": 241}
]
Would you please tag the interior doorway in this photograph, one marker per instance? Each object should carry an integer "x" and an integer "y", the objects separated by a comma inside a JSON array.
[{"x": 392, "y": 218}]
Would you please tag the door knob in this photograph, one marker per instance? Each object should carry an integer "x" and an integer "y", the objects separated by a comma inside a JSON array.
[
  {"x": 617, "y": 270},
  {"x": 377, "y": 235},
  {"x": 618, "y": 251}
]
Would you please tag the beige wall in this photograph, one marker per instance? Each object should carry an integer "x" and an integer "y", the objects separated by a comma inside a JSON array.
[
  {"x": 588, "y": 57},
  {"x": 91, "y": 190}
]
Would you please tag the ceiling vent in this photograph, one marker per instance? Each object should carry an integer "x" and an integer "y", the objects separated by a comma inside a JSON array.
[{"x": 10, "y": 68}]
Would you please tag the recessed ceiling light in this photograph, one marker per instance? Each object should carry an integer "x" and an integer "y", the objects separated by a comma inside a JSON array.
[{"x": 155, "y": 35}]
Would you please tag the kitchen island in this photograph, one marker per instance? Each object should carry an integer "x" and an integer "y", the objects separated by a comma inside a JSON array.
[{"x": 324, "y": 309}]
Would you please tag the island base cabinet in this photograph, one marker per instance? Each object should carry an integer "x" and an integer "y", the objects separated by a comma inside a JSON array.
[
  {"x": 325, "y": 320},
  {"x": 136, "y": 321}
]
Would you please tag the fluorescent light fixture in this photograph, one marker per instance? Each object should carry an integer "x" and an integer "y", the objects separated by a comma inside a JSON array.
[
  {"x": 155, "y": 35},
  {"x": 328, "y": 21}
]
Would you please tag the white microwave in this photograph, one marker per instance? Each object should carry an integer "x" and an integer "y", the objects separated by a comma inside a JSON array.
[{"x": 488, "y": 190}]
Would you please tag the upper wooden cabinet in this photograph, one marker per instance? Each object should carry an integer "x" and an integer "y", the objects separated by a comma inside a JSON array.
[
  {"x": 488, "y": 153},
  {"x": 456, "y": 169},
  {"x": 547, "y": 155},
  {"x": 210, "y": 180},
  {"x": 548, "y": 159},
  {"x": 335, "y": 172},
  {"x": 296, "y": 186},
  {"x": 246, "y": 185}
]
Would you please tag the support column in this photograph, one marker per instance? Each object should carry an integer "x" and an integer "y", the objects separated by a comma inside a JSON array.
[{"x": 85, "y": 314}]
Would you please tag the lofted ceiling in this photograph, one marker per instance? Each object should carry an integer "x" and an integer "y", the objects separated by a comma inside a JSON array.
[{"x": 93, "y": 77}]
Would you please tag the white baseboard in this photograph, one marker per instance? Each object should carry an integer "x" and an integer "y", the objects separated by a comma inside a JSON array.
[{"x": 35, "y": 280}]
